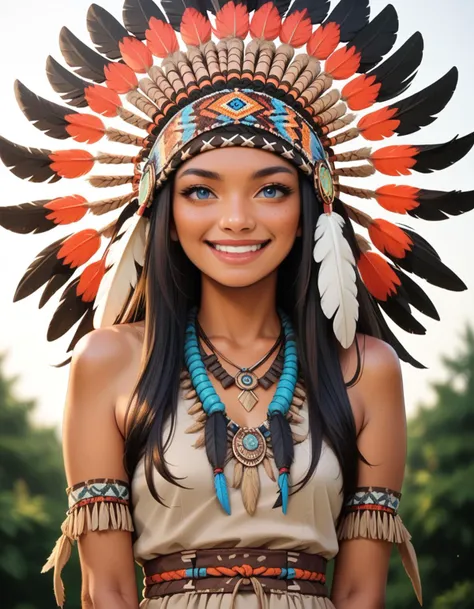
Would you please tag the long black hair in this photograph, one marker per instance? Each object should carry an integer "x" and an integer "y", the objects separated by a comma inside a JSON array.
[{"x": 170, "y": 285}]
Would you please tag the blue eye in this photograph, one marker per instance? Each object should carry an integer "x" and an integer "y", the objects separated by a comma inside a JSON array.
[
  {"x": 202, "y": 193},
  {"x": 270, "y": 192},
  {"x": 275, "y": 191}
]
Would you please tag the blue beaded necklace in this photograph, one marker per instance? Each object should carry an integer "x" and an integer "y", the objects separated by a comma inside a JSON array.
[{"x": 215, "y": 408}]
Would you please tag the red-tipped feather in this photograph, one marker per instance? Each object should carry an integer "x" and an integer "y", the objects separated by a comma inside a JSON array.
[
  {"x": 90, "y": 279},
  {"x": 71, "y": 163},
  {"x": 266, "y": 22},
  {"x": 296, "y": 29},
  {"x": 232, "y": 20},
  {"x": 395, "y": 160},
  {"x": 390, "y": 239},
  {"x": 120, "y": 78},
  {"x": 324, "y": 41},
  {"x": 195, "y": 28},
  {"x": 397, "y": 198},
  {"x": 379, "y": 125},
  {"x": 361, "y": 92},
  {"x": 102, "y": 100},
  {"x": 136, "y": 55},
  {"x": 79, "y": 248},
  {"x": 161, "y": 38},
  {"x": 85, "y": 128},
  {"x": 343, "y": 63},
  {"x": 378, "y": 276},
  {"x": 67, "y": 210}
]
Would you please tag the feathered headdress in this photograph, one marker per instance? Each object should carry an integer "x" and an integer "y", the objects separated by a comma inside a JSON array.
[{"x": 238, "y": 83}]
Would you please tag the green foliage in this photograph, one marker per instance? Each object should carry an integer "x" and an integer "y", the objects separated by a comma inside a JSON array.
[{"x": 438, "y": 498}]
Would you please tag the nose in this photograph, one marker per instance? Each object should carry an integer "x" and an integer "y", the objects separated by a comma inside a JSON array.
[{"x": 237, "y": 215}]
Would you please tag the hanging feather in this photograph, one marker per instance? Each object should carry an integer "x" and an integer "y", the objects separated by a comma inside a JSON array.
[
  {"x": 137, "y": 15},
  {"x": 232, "y": 20},
  {"x": 250, "y": 489},
  {"x": 216, "y": 449},
  {"x": 122, "y": 257},
  {"x": 283, "y": 452},
  {"x": 238, "y": 474},
  {"x": 387, "y": 80},
  {"x": 106, "y": 31},
  {"x": 411, "y": 114},
  {"x": 86, "y": 62},
  {"x": 41, "y": 216},
  {"x": 337, "y": 277}
]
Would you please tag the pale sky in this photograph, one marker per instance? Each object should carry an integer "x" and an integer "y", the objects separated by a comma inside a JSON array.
[{"x": 30, "y": 31}]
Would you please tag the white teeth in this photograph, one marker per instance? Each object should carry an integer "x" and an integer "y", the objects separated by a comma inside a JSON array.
[{"x": 238, "y": 249}]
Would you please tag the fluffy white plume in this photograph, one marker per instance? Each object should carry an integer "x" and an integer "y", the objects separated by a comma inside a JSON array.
[
  {"x": 337, "y": 277},
  {"x": 122, "y": 274}
]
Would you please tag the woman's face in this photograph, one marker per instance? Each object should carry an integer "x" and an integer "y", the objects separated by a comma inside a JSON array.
[{"x": 236, "y": 213}]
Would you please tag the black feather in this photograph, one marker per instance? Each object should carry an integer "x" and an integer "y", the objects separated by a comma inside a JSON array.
[
  {"x": 27, "y": 218},
  {"x": 54, "y": 284},
  {"x": 419, "y": 110},
  {"x": 317, "y": 9},
  {"x": 137, "y": 15},
  {"x": 31, "y": 164},
  {"x": 415, "y": 295},
  {"x": 174, "y": 10},
  {"x": 70, "y": 87},
  {"x": 44, "y": 266},
  {"x": 376, "y": 39},
  {"x": 86, "y": 62},
  {"x": 351, "y": 16},
  {"x": 281, "y": 5},
  {"x": 282, "y": 441},
  {"x": 70, "y": 310},
  {"x": 86, "y": 326},
  {"x": 439, "y": 205},
  {"x": 434, "y": 157},
  {"x": 106, "y": 31},
  {"x": 45, "y": 115},
  {"x": 399, "y": 311},
  {"x": 397, "y": 72},
  {"x": 216, "y": 439}
]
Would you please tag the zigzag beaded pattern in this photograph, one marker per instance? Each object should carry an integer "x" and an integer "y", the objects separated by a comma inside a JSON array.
[
  {"x": 97, "y": 491},
  {"x": 374, "y": 499}
]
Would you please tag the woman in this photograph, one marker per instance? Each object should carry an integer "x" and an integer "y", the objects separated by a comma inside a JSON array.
[{"x": 236, "y": 419}]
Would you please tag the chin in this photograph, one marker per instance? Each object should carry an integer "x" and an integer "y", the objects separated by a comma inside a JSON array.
[{"x": 238, "y": 280}]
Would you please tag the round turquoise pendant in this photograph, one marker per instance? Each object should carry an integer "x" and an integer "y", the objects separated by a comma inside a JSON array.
[
  {"x": 250, "y": 442},
  {"x": 249, "y": 446},
  {"x": 147, "y": 186},
  {"x": 325, "y": 183}
]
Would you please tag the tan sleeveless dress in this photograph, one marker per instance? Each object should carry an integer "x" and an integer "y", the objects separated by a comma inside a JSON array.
[{"x": 194, "y": 519}]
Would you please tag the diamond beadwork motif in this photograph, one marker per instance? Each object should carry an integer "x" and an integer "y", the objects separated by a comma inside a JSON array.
[{"x": 236, "y": 105}]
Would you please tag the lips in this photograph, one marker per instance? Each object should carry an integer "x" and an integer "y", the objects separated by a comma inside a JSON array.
[{"x": 234, "y": 251}]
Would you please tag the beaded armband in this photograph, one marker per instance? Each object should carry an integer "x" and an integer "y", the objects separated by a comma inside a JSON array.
[
  {"x": 372, "y": 513},
  {"x": 101, "y": 504}
]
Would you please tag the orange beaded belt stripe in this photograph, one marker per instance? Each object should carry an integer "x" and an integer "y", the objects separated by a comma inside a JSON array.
[{"x": 245, "y": 569}]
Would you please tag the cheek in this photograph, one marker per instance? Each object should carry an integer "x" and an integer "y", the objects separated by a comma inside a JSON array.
[{"x": 189, "y": 220}]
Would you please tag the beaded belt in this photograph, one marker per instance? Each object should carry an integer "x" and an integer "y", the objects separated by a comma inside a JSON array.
[{"x": 237, "y": 569}]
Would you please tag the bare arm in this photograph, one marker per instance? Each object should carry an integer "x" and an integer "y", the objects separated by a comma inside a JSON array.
[
  {"x": 93, "y": 448},
  {"x": 362, "y": 564}
]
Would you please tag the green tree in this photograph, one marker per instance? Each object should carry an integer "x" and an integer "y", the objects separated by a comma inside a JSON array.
[
  {"x": 438, "y": 497},
  {"x": 32, "y": 505}
]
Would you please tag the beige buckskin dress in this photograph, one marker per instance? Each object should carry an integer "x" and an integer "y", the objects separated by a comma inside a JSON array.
[{"x": 194, "y": 519}]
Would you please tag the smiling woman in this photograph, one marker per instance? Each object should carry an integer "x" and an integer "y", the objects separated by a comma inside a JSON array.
[{"x": 235, "y": 415}]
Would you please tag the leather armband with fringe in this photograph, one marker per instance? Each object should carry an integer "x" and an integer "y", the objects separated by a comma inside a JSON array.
[
  {"x": 372, "y": 513},
  {"x": 101, "y": 504}
]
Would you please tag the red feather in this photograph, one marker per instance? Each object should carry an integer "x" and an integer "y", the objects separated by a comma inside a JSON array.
[
  {"x": 102, "y": 100},
  {"x": 90, "y": 279},
  {"x": 79, "y": 248},
  {"x": 67, "y": 210},
  {"x": 379, "y": 125},
  {"x": 161, "y": 38},
  {"x": 195, "y": 28},
  {"x": 397, "y": 198},
  {"x": 362, "y": 92},
  {"x": 232, "y": 20},
  {"x": 136, "y": 55},
  {"x": 296, "y": 29},
  {"x": 395, "y": 160},
  {"x": 343, "y": 63},
  {"x": 120, "y": 78},
  {"x": 324, "y": 41},
  {"x": 378, "y": 276},
  {"x": 85, "y": 128},
  {"x": 266, "y": 22},
  {"x": 390, "y": 239},
  {"x": 71, "y": 163}
]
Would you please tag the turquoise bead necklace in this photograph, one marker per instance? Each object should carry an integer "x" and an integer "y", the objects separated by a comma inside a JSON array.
[{"x": 247, "y": 444}]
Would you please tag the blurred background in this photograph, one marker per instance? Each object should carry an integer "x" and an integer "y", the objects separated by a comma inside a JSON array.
[{"x": 439, "y": 490}]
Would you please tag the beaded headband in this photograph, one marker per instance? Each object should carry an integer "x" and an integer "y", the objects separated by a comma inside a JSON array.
[{"x": 234, "y": 86}]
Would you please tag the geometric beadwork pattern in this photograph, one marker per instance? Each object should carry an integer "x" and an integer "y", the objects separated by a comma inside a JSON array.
[
  {"x": 374, "y": 498},
  {"x": 98, "y": 490}
]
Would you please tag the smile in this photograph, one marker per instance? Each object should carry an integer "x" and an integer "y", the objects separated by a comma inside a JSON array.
[{"x": 239, "y": 252}]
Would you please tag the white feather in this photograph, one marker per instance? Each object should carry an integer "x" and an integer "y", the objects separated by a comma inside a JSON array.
[
  {"x": 122, "y": 275},
  {"x": 337, "y": 277}
]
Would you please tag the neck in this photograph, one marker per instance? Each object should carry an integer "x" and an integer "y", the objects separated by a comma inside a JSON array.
[{"x": 240, "y": 315}]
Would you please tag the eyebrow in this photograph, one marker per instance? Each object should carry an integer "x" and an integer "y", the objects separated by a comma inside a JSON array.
[{"x": 212, "y": 175}]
